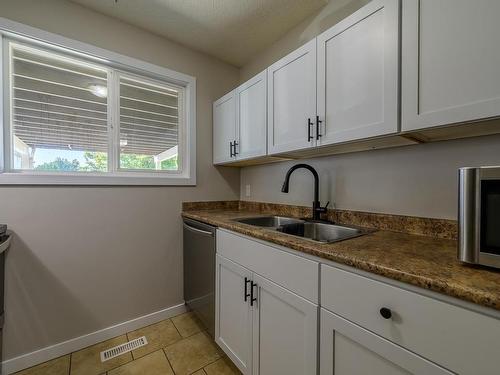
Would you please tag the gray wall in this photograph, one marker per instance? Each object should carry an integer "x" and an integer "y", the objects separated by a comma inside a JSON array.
[
  {"x": 415, "y": 180},
  {"x": 86, "y": 258},
  {"x": 418, "y": 180},
  {"x": 329, "y": 15}
]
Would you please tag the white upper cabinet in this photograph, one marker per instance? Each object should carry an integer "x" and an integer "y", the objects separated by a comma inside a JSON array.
[
  {"x": 450, "y": 62},
  {"x": 240, "y": 122},
  {"x": 392, "y": 66},
  {"x": 224, "y": 128},
  {"x": 251, "y": 113},
  {"x": 358, "y": 75},
  {"x": 292, "y": 100}
]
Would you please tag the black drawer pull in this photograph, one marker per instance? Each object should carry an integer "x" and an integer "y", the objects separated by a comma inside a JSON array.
[
  {"x": 252, "y": 298},
  {"x": 246, "y": 295},
  {"x": 230, "y": 149},
  {"x": 386, "y": 313},
  {"x": 234, "y": 145}
]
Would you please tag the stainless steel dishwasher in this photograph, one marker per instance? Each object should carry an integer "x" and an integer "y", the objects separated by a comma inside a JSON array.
[
  {"x": 199, "y": 271},
  {"x": 4, "y": 245}
]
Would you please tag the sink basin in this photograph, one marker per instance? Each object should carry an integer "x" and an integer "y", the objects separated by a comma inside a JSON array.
[
  {"x": 269, "y": 221},
  {"x": 322, "y": 232}
]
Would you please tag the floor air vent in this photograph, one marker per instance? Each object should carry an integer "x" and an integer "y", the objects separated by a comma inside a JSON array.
[{"x": 123, "y": 348}]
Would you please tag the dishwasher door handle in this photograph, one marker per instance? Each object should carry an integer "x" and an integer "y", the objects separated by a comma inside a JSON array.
[{"x": 196, "y": 230}]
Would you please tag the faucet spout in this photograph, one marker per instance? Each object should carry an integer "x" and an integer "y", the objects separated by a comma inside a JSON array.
[{"x": 317, "y": 209}]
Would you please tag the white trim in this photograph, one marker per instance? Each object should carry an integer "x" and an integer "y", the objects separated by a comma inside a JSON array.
[
  {"x": 96, "y": 179},
  {"x": 42, "y": 355},
  {"x": 168, "y": 154},
  {"x": 2, "y": 113},
  {"x": 121, "y": 62}
]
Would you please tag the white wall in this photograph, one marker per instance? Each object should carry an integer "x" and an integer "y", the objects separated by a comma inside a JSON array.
[
  {"x": 85, "y": 258},
  {"x": 415, "y": 180}
]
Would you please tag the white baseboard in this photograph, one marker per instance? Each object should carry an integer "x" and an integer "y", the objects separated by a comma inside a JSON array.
[{"x": 42, "y": 355}]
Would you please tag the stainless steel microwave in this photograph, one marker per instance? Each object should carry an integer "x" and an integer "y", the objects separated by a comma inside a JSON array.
[{"x": 479, "y": 216}]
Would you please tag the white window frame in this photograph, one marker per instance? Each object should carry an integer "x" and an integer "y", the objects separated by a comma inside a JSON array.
[{"x": 130, "y": 67}]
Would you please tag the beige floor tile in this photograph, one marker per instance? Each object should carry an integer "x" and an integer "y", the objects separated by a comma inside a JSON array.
[
  {"x": 192, "y": 354},
  {"x": 58, "y": 366},
  {"x": 187, "y": 324},
  {"x": 223, "y": 366},
  {"x": 151, "y": 364},
  {"x": 88, "y": 361},
  {"x": 159, "y": 335},
  {"x": 199, "y": 372}
]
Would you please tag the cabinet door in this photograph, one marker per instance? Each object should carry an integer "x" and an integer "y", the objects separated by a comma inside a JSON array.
[
  {"x": 251, "y": 112},
  {"x": 233, "y": 318},
  {"x": 285, "y": 331},
  {"x": 292, "y": 100},
  {"x": 450, "y": 62},
  {"x": 224, "y": 127},
  {"x": 358, "y": 75},
  {"x": 348, "y": 349}
]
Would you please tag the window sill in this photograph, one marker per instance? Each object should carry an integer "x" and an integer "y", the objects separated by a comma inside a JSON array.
[{"x": 117, "y": 179}]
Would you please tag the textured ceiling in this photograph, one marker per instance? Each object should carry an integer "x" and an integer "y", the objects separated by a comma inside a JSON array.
[{"x": 232, "y": 30}]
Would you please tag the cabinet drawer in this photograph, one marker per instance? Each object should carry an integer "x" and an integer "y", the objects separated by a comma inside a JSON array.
[
  {"x": 458, "y": 339},
  {"x": 292, "y": 272}
]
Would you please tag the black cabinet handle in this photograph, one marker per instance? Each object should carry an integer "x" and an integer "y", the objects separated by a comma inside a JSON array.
[
  {"x": 246, "y": 295},
  {"x": 252, "y": 298},
  {"x": 386, "y": 313},
  {"x": 309, "y": 124},
  {"x": 318, "y": 123},
  {"x": 230, "y": 149},
  {"x": 234, "y": 145}
]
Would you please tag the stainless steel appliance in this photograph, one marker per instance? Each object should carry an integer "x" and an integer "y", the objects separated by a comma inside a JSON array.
[
  {"x": 479, "y": 216},
  {"x": 199, "y": 271},
  {"x": 4, "y": 245}
]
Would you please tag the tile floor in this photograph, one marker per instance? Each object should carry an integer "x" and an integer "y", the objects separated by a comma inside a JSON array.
[{"x": 176, "y": 346}]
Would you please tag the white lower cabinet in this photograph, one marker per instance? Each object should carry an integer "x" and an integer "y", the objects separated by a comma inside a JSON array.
[
  {"x": 348, "y": 349},
  {"x": 285, "y": 331},
  {"x": 263, "y": 327},
  {"x": 460, "y": 340},
  {"x": 233, "y": 315},
  {"x": 267, "y": 308}
]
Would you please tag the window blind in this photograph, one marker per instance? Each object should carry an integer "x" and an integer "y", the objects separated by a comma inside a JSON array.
[
  {"x": 53, "y": 102},
  {"x": 149, "y": 120}
]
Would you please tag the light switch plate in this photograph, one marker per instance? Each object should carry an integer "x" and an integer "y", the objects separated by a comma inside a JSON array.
[{"x": 247, "y": 191}]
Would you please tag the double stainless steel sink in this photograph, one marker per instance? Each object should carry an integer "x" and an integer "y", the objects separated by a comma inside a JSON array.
[
  {"x": 316, "y": 231},
  {"x": 269, "y": 221}
]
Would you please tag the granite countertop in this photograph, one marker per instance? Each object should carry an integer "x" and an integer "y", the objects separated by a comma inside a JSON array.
[{"x": 419, "y": 260}]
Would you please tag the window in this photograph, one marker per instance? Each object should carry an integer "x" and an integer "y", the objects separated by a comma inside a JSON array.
[
  {"x": 59, "y": 112},
  {"x": 71, "y": 117},
  {"x": 149, "y": 125}
]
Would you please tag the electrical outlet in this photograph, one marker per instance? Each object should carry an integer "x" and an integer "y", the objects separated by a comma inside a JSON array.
[{"x": 247, "y": 191}]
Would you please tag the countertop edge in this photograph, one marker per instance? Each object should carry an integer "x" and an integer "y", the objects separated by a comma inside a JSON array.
[{"x": 443, "y": 288}]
